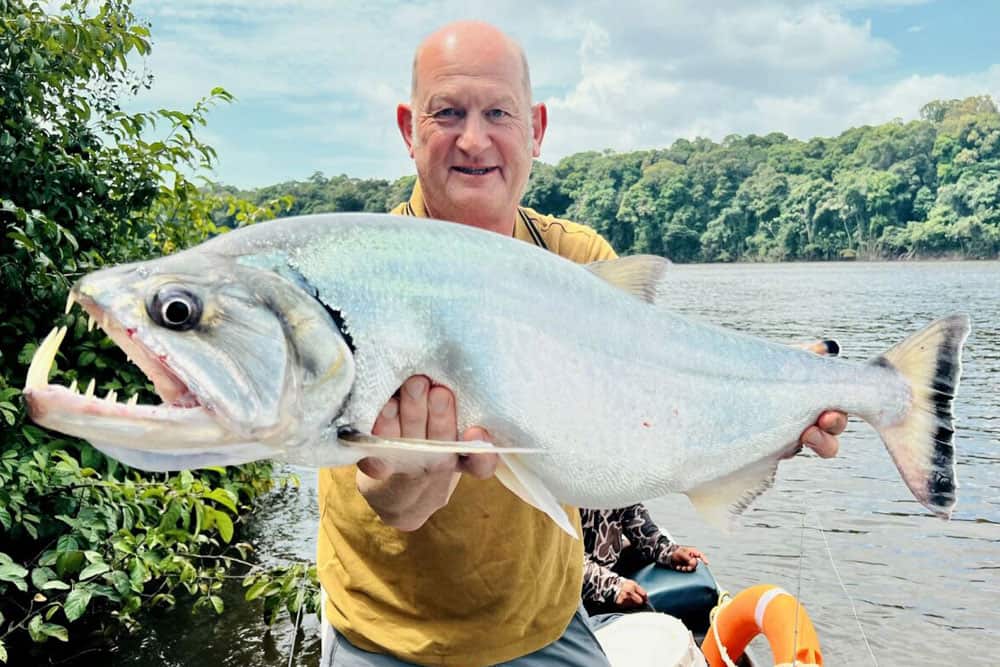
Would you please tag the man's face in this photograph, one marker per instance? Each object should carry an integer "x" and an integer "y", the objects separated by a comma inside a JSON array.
[{"x": 473, "y": 135}]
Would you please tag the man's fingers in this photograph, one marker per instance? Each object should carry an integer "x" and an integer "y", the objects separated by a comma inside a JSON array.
[
  {"x": 375, "y": 468},
  {"x": 413, "y": 407},
  {"x": 441, "y": 418},
  {"x": 832, "y": 422},
  {"x": 387, "y": 422},
  {"x": 481, "y": 466},
  {"x": 824, "y": 444}
]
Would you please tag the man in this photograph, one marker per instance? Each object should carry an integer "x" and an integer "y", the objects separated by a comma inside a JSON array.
[{"x": 449, "y": 568}]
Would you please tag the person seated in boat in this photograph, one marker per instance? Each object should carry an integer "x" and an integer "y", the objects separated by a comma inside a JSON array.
[{"x": 618, "y": 542}]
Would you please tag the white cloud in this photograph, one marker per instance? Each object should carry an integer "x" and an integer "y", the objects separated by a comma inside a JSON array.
[{"x": 317, "y": 81}]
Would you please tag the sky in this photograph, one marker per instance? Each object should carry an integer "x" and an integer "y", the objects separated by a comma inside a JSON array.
[{"x": 317, "y": 81}]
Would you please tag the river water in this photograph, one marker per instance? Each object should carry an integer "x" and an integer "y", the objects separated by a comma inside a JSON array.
[{"x": 884, "y": 581}]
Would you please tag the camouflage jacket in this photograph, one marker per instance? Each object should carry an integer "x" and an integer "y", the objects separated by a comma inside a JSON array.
[{"x": 606, "y": 533}]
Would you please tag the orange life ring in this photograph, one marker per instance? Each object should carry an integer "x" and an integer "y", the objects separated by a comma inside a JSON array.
[{"x": 763, "y": 609}]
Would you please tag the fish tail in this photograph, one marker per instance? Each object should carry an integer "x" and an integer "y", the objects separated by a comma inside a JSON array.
[{"x": 921, "y": 445}]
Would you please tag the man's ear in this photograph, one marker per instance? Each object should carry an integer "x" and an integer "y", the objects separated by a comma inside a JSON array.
[
  {"x": 539, "y": 121},
  {"x": 404, "y": 119}
]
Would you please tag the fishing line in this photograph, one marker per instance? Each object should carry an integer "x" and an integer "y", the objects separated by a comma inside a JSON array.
[
  {"x": 798, "y": 593},
  {"x": 840, "y": 581},
  {"x": 298, "y": 618}
]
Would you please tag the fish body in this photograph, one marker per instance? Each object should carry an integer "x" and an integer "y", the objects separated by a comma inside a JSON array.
[{"x": 593, "y": 394}]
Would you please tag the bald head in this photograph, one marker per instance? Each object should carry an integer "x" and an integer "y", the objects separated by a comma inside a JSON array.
[{"x": 467, "y": 41}]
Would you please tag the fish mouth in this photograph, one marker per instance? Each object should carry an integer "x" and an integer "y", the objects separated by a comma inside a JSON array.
[{"x": 68, "y": 410}]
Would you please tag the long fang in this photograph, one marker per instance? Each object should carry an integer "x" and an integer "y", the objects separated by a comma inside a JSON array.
[{"x": 90, "y": 387}]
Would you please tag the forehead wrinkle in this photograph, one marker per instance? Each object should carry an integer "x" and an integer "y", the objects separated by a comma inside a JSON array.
[{"x": 465, "y": 97}]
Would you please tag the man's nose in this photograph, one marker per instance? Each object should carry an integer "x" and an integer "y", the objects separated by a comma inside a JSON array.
[{"x": 475, "y": 137}]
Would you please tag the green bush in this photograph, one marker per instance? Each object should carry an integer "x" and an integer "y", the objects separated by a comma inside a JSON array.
[{"x": 86, "y": 543}]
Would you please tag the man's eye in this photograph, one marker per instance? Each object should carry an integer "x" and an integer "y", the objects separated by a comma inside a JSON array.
[
  {"x": 496, "y": 114},
  {"x": 446, "y": 114}
]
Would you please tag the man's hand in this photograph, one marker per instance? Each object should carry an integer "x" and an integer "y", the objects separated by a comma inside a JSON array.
[
  {"x": 821, "y": 437},
  {"x": 425, "y": 412},
  {"x": 685, "y": 559},
  {"x": 631, "y": 595}
]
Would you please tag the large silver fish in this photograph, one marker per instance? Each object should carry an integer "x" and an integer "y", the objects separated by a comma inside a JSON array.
[{"x": 285, "y": 339}]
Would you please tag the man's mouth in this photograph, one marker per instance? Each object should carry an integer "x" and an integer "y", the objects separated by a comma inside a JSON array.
[{"x": 475, "y": 172}]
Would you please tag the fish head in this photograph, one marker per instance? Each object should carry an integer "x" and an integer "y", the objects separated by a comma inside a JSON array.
[{"x": 238, "y": 354}]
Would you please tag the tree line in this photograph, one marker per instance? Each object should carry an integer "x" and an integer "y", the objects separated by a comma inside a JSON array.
[{"x": 925, "y": 188}]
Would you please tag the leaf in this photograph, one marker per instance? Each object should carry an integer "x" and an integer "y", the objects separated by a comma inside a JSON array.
[
  {"x": 93, "y": 570},
  {"x": 137, "y": 573},
  {"x": 12, "y": 572},
  {"x": 76, "y": 603},
  {"x": 256, "y": 590},
  {"x": 41, "y": 575},
  {"x": 225, "y": 526},
  {"x": 55, "y": 585},
  {"x": 225, "y": 498},
  {"x": 35, "y": 629},
  {"x": 56, "y": 631},
  {"x": 120, "y": 582},
  {"x": 217, "y": 603},
  {"x": 69, "y": 562}
]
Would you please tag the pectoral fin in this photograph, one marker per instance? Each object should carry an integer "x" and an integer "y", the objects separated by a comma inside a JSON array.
[
  {"x": 360, "y": 440},
  {"x": 527, "y": 486},
  {"x": 408, "y": 455},
  {"x": 720, "y": 501}
]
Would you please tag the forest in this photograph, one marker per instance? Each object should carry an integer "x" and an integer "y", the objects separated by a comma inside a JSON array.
[{"x": 920, "y": 189}]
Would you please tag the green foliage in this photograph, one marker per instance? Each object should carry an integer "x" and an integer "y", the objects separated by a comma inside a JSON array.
[
  {"x": 87, "y": 544},
  {"x": 292, "y": 588},
  {"x": 900, "y": 190}
]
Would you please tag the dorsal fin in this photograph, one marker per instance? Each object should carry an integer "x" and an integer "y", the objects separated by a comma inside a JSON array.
[{"x": 639, "y": 275}]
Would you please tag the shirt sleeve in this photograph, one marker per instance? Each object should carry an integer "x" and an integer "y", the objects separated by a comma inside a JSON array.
[
  {"x": 653, "y": 544},
  {"x": 600, "y": 250},
  {"x": 599, "y": 583}
]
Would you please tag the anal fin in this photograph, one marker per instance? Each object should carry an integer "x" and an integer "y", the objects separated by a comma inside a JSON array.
[
  {"x": 720, "y": 501},
  {"x": 527, "y": 486}
]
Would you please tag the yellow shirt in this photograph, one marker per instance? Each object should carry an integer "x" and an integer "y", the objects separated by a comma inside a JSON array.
[{"x": 487, "y": 579}]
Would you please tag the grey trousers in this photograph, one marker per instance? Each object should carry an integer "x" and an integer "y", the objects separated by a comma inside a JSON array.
[{"x": 577, "y": 647}]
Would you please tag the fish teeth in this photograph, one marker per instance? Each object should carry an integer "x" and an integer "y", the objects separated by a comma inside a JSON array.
[
  {"x": 44, "y": 357},
  {"x": 70, "y": 300},
  {"x": 90, "y": 387},
  {"x": 91, "y": 322},
  {"x": 133, "y": 399},
  {"x": 111, "y": 397},
  {"x": 73, "y": 387}
]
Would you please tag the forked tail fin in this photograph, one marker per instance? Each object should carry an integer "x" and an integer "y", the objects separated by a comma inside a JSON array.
[{"x": 921, "y": 445}]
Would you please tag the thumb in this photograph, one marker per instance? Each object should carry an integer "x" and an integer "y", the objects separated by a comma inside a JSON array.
[{"x": 376, "y": 468}]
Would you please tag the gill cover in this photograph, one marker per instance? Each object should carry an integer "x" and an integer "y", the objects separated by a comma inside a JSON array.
[{"x": 280, "y": 365}]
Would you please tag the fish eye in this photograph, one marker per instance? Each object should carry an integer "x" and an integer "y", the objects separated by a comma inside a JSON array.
[{"x": 175, "y": 308}]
